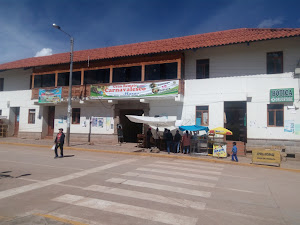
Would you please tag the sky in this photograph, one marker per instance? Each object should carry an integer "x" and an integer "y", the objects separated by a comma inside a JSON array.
[{"x": 26, "y": 25}]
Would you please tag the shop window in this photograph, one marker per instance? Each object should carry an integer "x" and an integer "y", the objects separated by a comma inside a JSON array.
[
  {"x": 96, "y": 76},
  {"x": 275, "y": 115},
  {"x": 46, "y": 80},
  {"x": 202, "y": 115},
  {"x": 63, "y": 78},
  {"x": 76, "y": 116},
  {"x": 274, "y": 62},
  {"x": 31, "y": 116},
  {"x": 202, "y": 68},
  {"x": 1, "y": 84},
  {"x": 127, "y": 74},
  {"x": 161, "y": 71}
]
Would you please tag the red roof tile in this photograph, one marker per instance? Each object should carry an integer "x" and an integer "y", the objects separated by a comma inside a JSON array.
[{"x": 167, "y": 45}]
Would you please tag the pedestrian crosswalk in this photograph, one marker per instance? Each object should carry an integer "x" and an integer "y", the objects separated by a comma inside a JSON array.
[{"x": 159, "y": 182}]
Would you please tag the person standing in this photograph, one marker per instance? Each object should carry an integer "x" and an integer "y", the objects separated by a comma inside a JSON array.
[
  {"x": 186, "y": 142},
  {"x": 120, "y": 134},
  {"x": 149, "y": 135},
  {"x": 234, "y": 152},
  {"x": 59, "y": 142},
  {"x": 169, "y": 140},
  {"x": 177, "y": 139}
]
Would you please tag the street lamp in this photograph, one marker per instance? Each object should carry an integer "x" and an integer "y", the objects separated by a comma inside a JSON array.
[{"x": 69, "y": 115}]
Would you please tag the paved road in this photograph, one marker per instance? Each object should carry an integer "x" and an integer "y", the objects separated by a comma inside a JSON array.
[{"x": 112, "y": 189}]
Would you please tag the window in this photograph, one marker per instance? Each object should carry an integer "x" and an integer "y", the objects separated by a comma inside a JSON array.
[
  {"x": 274, "y": 62},
  {"x": 31, "y": 116},
  {"x": 76, "y": 116},
  {"x": 202, "y": 69},
  {"x": 96, "y": 76},
  {"x": 63, "y": 78},
  {"x": 161, "y": 71},
  {"x": 202, "y": 115},
  {"x": 275, "y": 115},
  {"x": 127, "y": 74},
  {"x": 46, "y": 80},
  {"x": 1, "y": 84}
]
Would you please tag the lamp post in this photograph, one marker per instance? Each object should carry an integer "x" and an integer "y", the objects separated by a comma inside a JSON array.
[{"x": 69, "y": 115}]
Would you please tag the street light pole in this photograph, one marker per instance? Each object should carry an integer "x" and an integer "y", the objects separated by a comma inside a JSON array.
[{"x": 69, "y": 115}]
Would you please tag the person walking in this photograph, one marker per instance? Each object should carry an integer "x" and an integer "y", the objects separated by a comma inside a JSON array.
[
  {"x": 234, "y": 152},
  {"x": 149, "y": 135},
  {"x": 169, "y": 140},
  {"x": 177, "y": 139},
  {"x": 186, "y": 142},
  {"x": 59, "y": 142}
]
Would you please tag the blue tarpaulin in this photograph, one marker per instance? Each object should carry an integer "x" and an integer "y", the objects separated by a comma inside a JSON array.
[{"x": 193, "y": 128}]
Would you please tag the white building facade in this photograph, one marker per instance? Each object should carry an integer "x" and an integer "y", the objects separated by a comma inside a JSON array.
[{"x": 230, "y": 86}]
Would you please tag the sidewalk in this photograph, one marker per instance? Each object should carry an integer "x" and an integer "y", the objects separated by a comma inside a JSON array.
[{"x": 131, "y": 149}]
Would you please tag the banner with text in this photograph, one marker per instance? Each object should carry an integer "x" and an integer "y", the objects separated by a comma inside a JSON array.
[
  {"x": 50, "y": 95},
  {"x": 282, "y": 95},
  {"x": 153, "y": 89}
]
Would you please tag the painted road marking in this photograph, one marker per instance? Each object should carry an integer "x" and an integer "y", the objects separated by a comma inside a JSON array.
[
  {"x": 168, "y": 188},
  {"x": 147, "y": 196},
  {"x": 186, "y": 174},
  {"x": 182, "y": 168},
  {"x": 128, "y": 210},
  {"x": 169, "y": 179},
  {"x": 192, "y": 165},
  {"x": 30, "y": 187}
]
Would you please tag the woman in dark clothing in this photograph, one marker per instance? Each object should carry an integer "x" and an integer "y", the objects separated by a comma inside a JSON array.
[
  {"x": 149, "y": 135},
  {"x": 59, "y": 142}
]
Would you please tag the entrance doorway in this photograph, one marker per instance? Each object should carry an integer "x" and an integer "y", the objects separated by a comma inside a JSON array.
[
  {"x": 16, "y": 119},
  {"x": 236, "y": 120},
  {"x": 130, "y": 129},
  {"x": 51, "y": 114}
]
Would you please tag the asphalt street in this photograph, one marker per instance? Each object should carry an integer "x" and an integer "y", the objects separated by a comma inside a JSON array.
[{"x": 115, "y": 189}]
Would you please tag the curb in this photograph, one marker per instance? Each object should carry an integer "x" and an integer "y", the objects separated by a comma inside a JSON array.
[{"x": 158, "y": 156}]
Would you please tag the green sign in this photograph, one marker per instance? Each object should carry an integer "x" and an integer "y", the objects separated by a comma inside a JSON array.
[{"x": 282, "y": 95}]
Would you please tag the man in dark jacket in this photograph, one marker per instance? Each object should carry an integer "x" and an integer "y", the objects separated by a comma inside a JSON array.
[
  {"x": 59, "y": 142},
  {"x": 169, "y": 140},
  {"x": 177, "y": 139}
]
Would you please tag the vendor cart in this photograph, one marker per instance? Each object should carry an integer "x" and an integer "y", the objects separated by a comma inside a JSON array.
[{"x": 218, "y": 147}]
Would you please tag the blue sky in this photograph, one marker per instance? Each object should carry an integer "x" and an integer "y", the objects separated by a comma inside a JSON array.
[{"x": 26, "y": 25}]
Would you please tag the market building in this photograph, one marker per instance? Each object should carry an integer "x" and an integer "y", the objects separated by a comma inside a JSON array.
[{"x": 246, "y": 80}]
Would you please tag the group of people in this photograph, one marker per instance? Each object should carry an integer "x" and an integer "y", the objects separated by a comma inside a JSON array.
[{"x": 173, "y": 143}]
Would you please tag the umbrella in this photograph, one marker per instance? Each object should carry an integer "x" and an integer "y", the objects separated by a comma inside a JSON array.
[
  {"x": 193, "y": 128},
  {"x": 220, "y": 130}
]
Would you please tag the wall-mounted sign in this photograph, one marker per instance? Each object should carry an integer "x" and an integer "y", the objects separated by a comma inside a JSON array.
[
  {"x": 50, "y": 95},
  {"x": 138, "y": 90},
  {"x": 282, "y": 95}
]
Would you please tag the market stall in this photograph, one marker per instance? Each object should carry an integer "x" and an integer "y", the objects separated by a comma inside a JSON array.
[
  {"x": 199, "y": 140},
  {"x": 218, "y": 147}
]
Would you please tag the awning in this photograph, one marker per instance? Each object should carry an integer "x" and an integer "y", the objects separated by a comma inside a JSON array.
[
  {"x": 153, "y": 121},
  {"x": 193, "y": 128}
]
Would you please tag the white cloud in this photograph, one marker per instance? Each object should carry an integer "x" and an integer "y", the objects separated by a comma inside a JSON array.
[
  {"x": 44, "y": 52},
  {"x": 270, "y": 23}
]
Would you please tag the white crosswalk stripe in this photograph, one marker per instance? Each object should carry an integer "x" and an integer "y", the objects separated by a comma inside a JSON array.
[
  {"x": 182, "y": 168},
  {"x": 192, "y": 165},
  {"x": 169, "y": 179},
  {"x": 147, "y": 196},
  {"x": 186, "y": 174},
  {"x": 128, "y": 210},
  {"x": 180, "y": 190}
]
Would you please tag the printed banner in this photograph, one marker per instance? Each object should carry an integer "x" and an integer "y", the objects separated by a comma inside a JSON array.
[
  {"x": 50, "y": 95},
  {"x": 135, "y": 90},
  {"x": 219, "y": 151}
]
